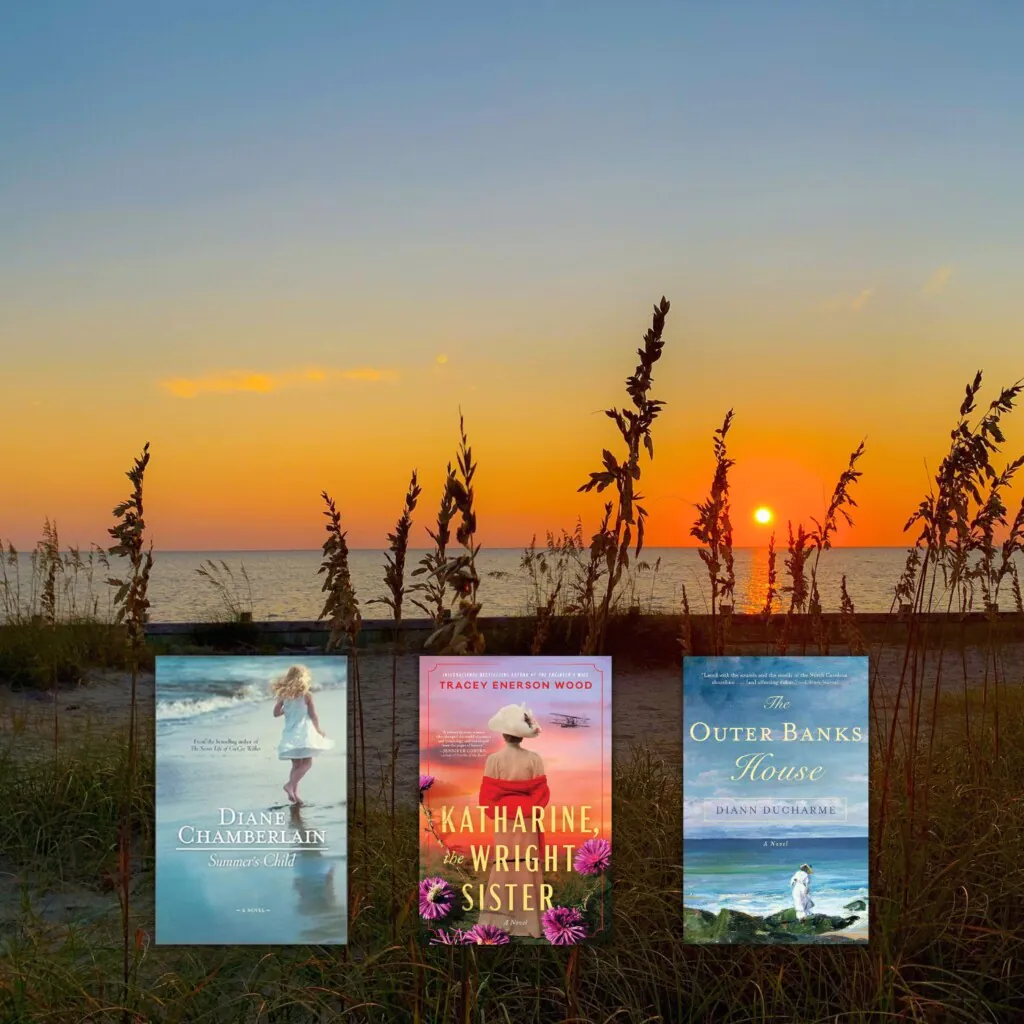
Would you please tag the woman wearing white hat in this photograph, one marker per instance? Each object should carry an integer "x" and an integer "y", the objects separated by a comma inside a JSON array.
[{"x": 514, "y": 779}]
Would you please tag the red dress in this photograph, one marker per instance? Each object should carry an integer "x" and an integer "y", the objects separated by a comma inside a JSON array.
[{"x": 526, "y": 879}]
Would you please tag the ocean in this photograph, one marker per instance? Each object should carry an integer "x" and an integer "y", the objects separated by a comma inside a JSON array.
[
  {"x": 746, "y": 875},
  {"x": 284, "y": 585},
  {"x": 217, "y": 748}
]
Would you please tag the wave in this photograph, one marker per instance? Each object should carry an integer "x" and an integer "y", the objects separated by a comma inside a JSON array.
[
  {"x": 195, "y": 706},
  {"x": 204, "y": 703}
]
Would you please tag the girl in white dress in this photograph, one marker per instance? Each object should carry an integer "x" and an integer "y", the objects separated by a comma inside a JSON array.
[
  {"x": 801, "y": 886},
  {"x": 303, "y": 738}
]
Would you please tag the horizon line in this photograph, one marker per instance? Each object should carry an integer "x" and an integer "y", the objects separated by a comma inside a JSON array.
[{"x": 516, "y": 547}]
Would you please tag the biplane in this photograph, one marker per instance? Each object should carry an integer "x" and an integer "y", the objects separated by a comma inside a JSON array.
[{"x": 571, "y": 721}]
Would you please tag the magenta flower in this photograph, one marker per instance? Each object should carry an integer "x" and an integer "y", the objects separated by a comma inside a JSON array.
[
  {"x": 436, "y": 898},
  {"x": 486, "y": 935},
  {"x": 563, "y": 926},
  {"x": 593, "y": 857},
  {"x": 426, "y": 781},
  {"x": 456, "y": 937}
]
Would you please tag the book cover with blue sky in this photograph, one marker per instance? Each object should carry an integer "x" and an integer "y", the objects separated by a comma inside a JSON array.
[{"x": 775, "y": 789}]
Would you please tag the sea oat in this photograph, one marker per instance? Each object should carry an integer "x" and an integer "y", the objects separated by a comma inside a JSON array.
[
  {"x": 610, "y": 546},
  {"x": 713, "y": 528},
  {"x": 132, "y": 605},
  {"x": 461, "y": 635}
]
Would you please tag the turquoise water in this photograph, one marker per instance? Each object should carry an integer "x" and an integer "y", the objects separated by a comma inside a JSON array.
[{"x": 748, "y": 875}]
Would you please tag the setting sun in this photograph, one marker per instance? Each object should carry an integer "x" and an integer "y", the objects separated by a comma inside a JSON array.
[{"x": 763, "y": 515}]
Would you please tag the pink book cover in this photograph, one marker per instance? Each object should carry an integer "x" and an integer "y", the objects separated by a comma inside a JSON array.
[{"x": 515, "y": 800}]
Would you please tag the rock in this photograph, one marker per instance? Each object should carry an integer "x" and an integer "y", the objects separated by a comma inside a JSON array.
[
  {"x": 856, "y": 905},
  {"x": 735, "y": 926}
]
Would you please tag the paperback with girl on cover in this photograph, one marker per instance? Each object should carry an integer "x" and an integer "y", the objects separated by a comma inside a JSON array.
[
  {"x": 251, "y": 809},
  {"x": 515, "y": 800}
]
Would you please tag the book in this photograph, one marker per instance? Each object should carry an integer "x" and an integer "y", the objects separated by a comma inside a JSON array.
[
  {"x": 251, "y": 808},
  {"x": 515, "y": 800},
  {"x": 775, "y": 799}
]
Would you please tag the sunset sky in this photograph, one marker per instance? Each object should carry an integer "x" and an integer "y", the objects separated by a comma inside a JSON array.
[{"x": 285, "y": 243}]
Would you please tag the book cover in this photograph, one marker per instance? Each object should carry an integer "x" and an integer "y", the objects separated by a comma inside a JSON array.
[
  {"x": 515, "y": 795},
  {"x": 775, "y": 797},
  {"x": 251, "y": 829}
]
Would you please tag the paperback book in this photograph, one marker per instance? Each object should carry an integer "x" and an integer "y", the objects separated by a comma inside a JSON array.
[
  {"x": 251, "y": 829},
  {"x": 775, "y": 796},
  {"x": 515, "y": 800}
]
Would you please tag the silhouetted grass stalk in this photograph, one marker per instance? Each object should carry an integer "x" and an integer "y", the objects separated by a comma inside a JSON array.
[
  {"x": 950, "y": 537},
  {"x": 713, "y": 528},
  {"x": 432, "y": 564},
  {"x": 234, "y": 592},
  {"x": 132, "y": 606},
  {"x": 394, "y": 580},
  {"x": 461, "y": 635},
  {"x": 610, "y": 546},
  {"x": 341, "y": 609},
  {"x": 771, "y": 591}
]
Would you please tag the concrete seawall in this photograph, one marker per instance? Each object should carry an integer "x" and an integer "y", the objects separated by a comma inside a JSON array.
[{"x": 654, "y": 637}]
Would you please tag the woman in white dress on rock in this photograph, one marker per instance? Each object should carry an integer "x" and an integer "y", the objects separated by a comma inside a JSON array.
[
  {"x": 801, "y": 886},
  {"x": 303, "y": 738}
]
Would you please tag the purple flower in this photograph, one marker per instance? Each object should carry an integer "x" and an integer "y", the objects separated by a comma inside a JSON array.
[
  {"x": 593, "y": 857},
  {"x": 563, "y": 926},
  {"x": 435, "y": 898},
  {"x": 486, "y": 935},
  {"x": 456, "y": 937},
  {"x": 426, "y": 781}
]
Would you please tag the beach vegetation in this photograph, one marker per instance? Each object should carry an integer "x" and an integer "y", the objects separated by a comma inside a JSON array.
[
  {"x": 947, "y": 817},
  {"x": 623, "y": 522}
]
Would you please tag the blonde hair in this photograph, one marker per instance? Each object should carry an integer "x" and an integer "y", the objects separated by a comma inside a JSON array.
[{"x": 296, "y": 682}]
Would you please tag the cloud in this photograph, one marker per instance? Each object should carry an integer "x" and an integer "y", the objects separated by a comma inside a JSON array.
[
  {"x": 856, "y": 778},
  {"x": 857, "y": 304},
  {"x": 264, "y": 383},
  {"x": 936, "y": 284},
  {"x": 849, "y": 305}
]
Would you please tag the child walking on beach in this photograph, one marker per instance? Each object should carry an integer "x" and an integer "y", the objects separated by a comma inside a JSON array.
[{"x": 303, "y": 738}]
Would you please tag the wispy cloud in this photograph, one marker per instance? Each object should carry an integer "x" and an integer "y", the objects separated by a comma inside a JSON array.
[
  {"x": 936, "y": 283},
  {"x": 858, "y": 303},
  {"x": 263, "y": 383},
  {"x": 846, "y": 304},
  {"x": 856, "y": 778}
]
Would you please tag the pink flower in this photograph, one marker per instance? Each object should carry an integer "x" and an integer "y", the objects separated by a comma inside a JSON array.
[
  {"x": 426, "y": 781},
  {"x": 436, "y": 898},
  {"x": 456, "y": 937},
  {"x": 593, "y": 857},
  {"x": 486, "y": 935},
  {"x": 563, "y": 926}
]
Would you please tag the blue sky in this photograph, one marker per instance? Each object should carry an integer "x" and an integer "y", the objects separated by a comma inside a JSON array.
[
  {"x": 708, "y": 765},
  {"x": 478, "y": 200}
]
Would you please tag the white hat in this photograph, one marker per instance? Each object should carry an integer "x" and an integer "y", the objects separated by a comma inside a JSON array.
[{"x": 514, "y": 720}]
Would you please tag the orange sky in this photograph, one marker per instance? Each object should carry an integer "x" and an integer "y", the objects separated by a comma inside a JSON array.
[{"x": 242, "y": 469}]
